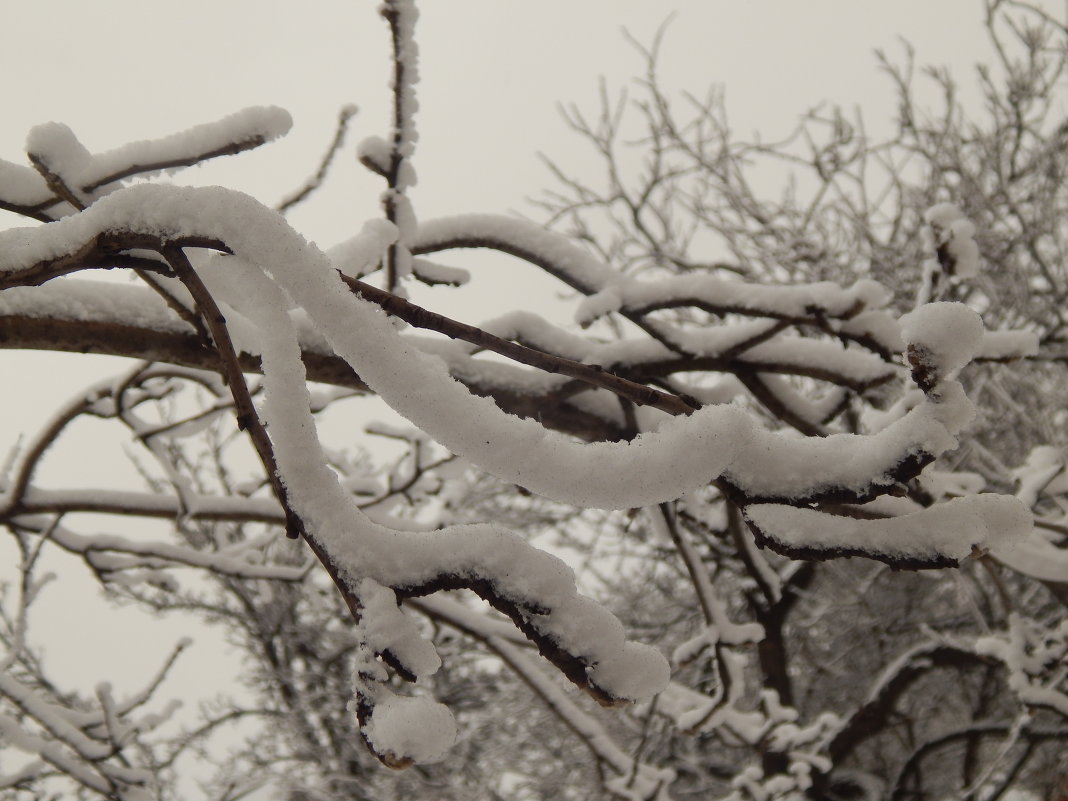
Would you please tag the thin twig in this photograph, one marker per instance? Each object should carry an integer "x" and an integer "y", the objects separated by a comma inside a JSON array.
[
  {"x": 591, "y": 374},
  {"x": 302, "y": 194},
  {"x": 247, "y": 417}
]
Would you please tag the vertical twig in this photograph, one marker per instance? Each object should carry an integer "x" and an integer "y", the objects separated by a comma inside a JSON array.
[{"x": 401, "y": 16}]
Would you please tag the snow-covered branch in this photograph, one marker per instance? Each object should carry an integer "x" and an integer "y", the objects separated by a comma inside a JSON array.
[{"x": 738, "y": 399}]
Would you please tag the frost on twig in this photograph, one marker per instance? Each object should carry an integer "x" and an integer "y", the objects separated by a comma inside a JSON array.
[
  {"x": 393, "y": 160},
  {"x": 97, "y": 743}
]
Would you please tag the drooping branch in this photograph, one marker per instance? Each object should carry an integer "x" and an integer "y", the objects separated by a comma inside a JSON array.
[
  {"x": 913, "y": 440},
  {"x": 247, "y": 416}
]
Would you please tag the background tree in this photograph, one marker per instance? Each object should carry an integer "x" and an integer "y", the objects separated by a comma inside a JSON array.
[{"x": 737, "y": 415}]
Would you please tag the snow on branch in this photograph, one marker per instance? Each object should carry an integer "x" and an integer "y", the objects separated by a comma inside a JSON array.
[
  {"x": 65, "y": 175},
  {"x": 553, "y": 252},
  {"x": 653, "y": 468},
  {"x": 56, "y": 150},
  {"x": 1036, "y": 657},
  {"x": 87, "y": 743},
  {"x": 610, "y": 291},
  {"x": 394, "y": 160},
  {"x": 273, "y": 269},
  {"x": 938, "y": 536},
  {"x": 114, "y": 557}
]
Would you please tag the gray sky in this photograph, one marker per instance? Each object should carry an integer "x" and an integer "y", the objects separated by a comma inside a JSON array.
[{"x": 493, "y": 72}]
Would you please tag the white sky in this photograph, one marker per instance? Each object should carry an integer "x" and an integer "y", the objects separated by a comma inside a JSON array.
[{"x": 493, "y": 72}]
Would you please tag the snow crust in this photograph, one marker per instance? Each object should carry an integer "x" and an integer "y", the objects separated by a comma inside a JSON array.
[
  {"x": 719, "y": 293},
  {"x": 60, "y": 149},
  {"x": 410, "y": 729},
  {"x": 952, "y": 528}
]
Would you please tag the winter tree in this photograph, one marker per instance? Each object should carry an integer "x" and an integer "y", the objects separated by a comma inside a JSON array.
[{"x": 782, "y": 514}]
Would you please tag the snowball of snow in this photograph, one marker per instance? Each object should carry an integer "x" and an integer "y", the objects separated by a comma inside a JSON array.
[
  {"x": 60, "y": 149},
  {"x": 640, "y": 671},
  {"x": 410, "y": 729},
  {"x": 386, "y": 627},
  {"x": 375, "y": 153},
  {"x": 949, "y": 334}
]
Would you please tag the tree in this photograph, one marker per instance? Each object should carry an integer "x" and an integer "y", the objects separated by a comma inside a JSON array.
[{"x": 765, "y": 463}]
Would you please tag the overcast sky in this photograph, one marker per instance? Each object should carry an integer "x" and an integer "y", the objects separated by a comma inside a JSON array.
[{"x": 493, "y": 72}]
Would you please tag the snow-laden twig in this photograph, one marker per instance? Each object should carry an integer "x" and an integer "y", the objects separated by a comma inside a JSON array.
[{"x": 399, "y": 172}]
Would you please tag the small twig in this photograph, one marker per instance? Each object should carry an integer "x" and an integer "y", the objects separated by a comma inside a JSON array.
[
  {"x": 991, "y": 568},
  {"x": 27, "y": 465},
  {"x": 247, "y": 417},
  {"x": 399, "y": 17},
  {"x": 346, "y": 114},
  {"x": 56, "y": 182},
  {"x": 175, "y": 304},
  {"x": 591, "y": 374}
]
